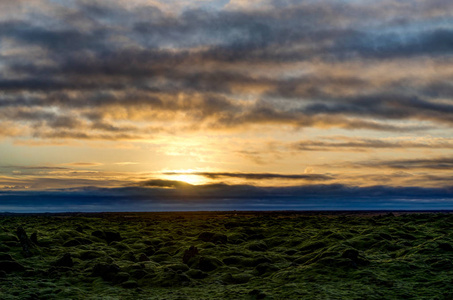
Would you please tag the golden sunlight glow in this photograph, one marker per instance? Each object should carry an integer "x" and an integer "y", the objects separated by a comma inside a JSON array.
[
  {"x": 185, "y": 176},
  {"x": 191, "y": 179}
]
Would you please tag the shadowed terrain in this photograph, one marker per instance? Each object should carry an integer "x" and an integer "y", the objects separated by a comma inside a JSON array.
[{"x": 226, "y": 255}]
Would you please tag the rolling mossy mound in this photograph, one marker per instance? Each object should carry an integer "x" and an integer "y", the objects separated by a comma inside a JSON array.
[{"x": 227, "y": 255}]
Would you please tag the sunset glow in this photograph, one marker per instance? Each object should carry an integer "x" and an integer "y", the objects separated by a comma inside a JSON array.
[{"x": 96, "y": 97}]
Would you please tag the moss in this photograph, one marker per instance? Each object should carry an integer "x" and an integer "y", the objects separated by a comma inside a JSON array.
[
  {"x": 236, "y": 278},
  {"x": 270, "y": 256}
]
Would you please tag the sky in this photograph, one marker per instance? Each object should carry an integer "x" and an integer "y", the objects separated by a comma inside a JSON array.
[{"x": 222, "y": 105}]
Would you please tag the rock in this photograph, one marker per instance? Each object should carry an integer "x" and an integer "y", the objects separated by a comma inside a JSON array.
[
  {"x": 149, "y": 251},
  {"x": 205, "y": 263},
  {"x": 182, "y": 278},
  {"x": 106, "y": 271},
  {"x": 130, "y": 284},
  {"x": 27, "y": 245},
  {"x": 233, "y": 260},
  {"x": 121, "y": 277},
  {"x": 260, "y": 260},
  {"x": 236, "y": 278},
  {"x": 355, "y": 258},
  {"x": 11, "y": 266},
  {"x": 196, "y": 274},
  {"x": 5, "y": 256},
  {"x": 98, "y": 234},
  {"x": 206, "y": 236},
  {"x": 65, "y": 261},
  {"x": 441, "y": 264},
  {"x": 188, "y": 254},
  {"x": 258, "y": 246},
  {"x": 407, "y": 236},
  {"x": 54, "y": 272},
  {"x": 7, "y": 237},
  {"x": 313, "y": 247},
  {"x": 230, "y": 225},
  {"x": 257, "y": 294},
  {"x": 216, "y": 238},
  {"x": 386, "y": 236},
  {"x": 445, "y": 247},
  {"x": 88, "y": 255},
  {"x": 241, "y": 278},
  {"x": 143, "y": 257},
  {"x": 256, "y": 237},
  {"x": 111, "y": 236},
  {"x": 108, "y": 236},
  {"x": 11, "y": 244},
  {"x": 219, "y": 239},
  {"x": 172, "y": 279},
  {"x": 129, "y": 256},
  {"x": 237, "y": 238},
  {"x": 77, "y": 242},
  {"x": 161, "y": 258},
  {"x": 34, "y": 238},
  {"x": 178, "y": 267},
  {"x": 265, "y": 268},
  {"x": 71, "y": 243},
  {"x": 352, "y": 254},
  {"x": 138, "y": 274}
]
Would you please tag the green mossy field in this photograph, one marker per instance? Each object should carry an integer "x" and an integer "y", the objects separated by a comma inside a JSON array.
[{"x": 227, "y": 255}]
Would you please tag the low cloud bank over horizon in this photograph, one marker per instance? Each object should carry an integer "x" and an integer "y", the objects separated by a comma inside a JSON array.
[{"x": 169, "y": 196}]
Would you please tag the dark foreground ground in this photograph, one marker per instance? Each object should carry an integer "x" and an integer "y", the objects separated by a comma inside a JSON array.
[{"x": 234, "y": 256}]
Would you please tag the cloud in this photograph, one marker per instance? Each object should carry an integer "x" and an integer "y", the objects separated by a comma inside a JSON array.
[
  {"x": 344, "y": 143},
  {"x": 256, "y": 176},
  {"x": 442, "y": 163},
  {"x": 34, "y": 167},
  {"x": 100, "y": 64},
  {"x": 164, "y": 183},
  {"x": 432, "y": 164},
  {"x": 226, "y": 197},
  {"x": 84, "y": 164},
  {"x": 375, "y": 76},
  {"x": 51, "y": 177}
]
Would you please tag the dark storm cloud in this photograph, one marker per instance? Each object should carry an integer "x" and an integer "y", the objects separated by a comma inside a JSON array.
[
  {"x": 256, "y": 176},
  {"x": 88, "y": 59}
]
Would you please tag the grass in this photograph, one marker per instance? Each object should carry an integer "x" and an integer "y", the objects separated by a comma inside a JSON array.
[{"x": 233, "y": 256}]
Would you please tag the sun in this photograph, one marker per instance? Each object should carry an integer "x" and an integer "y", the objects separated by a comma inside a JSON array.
[
  {"x": 190, "y": 179},
  {"x": 185, "y": 176}
]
